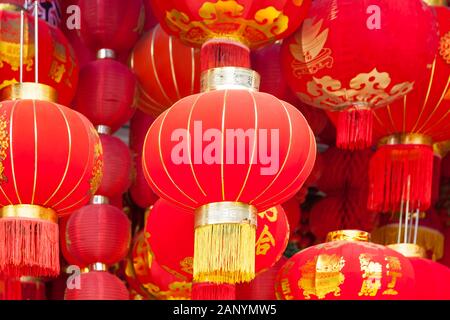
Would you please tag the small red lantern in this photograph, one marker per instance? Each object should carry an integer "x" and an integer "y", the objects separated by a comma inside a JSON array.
[
  {"x": 46, "y": 171},
  {"x": 353, "y": 57},
  {"x": 401, "y": 170},
  {"x": 106, "y": 93},
  {"x": 166, "y": 221},
  {"x": 167, "y": 70},
  {"x": 111, "y": 24},
  {"x": 140, "y": 191},
  {"x": 98, "y": 285},
  {"x": 346, "y": 270},
  {"x": 116, "y": 168},
  {"x": 98, "y": 233}
]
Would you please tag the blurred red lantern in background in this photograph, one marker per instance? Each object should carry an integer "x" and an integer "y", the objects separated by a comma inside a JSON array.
[
  {"x": 112, "y": 288},
  {"x": 346, "y": 270},
  {"x": 293, "y": 214},
  {"x": 139, "y": 125},
  {"x": 353, "y": 57},
  {"x": 106, "y": 93},
  {"x": 166, "y": 69},
  {"x": 401, "y": 170},
  {"x": 112, "y": 24},
  {"x": 98, "y": 233},
  {"x": 47, "y": 170},
  {"x": 140, "y": 191},
  {"x": 166, "y": 221},
  {"x": 116, "y": 168},
  {"x": 57, "y": 62}
]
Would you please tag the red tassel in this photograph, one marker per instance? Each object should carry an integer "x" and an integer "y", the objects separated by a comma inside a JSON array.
[
  {"x": 29, "y": 247},
  {"x": 224, "y": 53},
  {"x": 211, "y": 291},
  {"x": 354, "y": 130},
  {"x": 400, "y": 174},
  {"x": 10, "y": 289}
]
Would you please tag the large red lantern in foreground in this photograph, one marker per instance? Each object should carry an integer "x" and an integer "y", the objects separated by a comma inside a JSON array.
[
  {"x": 402, "y": 169},
  {"x": 58, "y": 67},
  {"x": 166, "y": 69},
  {"x": 352, "y": 57},
  {"x": 346, "y": 270},
  {"x": 51, "y": 160},
  {"x": 171, "y": 237},
  {"x": 201, "y": 168}
]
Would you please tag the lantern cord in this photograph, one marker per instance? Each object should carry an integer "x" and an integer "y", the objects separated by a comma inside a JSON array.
[
  {"x": 400, "y": 221},
  {"x": 416, "y": 228},
  {"x": 36, "y": 41},
  {"x": 21, "y": 44},
  {"x": 408, "y": 189},
  {"x": 411, "y": 223}
]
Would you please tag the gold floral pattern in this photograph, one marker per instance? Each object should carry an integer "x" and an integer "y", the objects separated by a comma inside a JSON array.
[
  {"x": 226, "y": 18},
  {"x": 4, "y": 143},
  {"x": 444, "y": 47},
  {"x": 370, "y": 89},
  {"x": 97, "y": 170}
]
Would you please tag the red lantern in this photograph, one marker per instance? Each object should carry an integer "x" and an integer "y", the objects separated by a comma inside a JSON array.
[
  {"x": 106, "y": 93},
  {"x": 293, "y": 214},
  {"x": 98, "y": 285},
  {"x": 47, "y": 170},
  {"x": 48, "y": 10},
  {"x": 402, "y": 168},
  {"x": 346, "y": 270},
  {"x": 57, "y": 63},
  {"x": 153, "y": 278},
  {"x": 353, "y": 57},
  {"x": 227, "y": 29},
  {"x": 228, "y": 178},
  {"x": 111, "y": 24},
  {"x": 139, "y": 125},
  {"x": 98, "y": 233},
  {"x": 263, "y": 286},
  {"x": 140, "y": 191},
  {"x": 116, "y": 168},
  {"x": 342, "y": 210},
  {"x": 166, "y": 221},
  {"x": 431, "y": 277},
  {"x": 166, "y": 69}
]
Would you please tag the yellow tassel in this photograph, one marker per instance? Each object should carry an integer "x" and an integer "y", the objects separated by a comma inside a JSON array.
[{"x": 225, "y": 253}]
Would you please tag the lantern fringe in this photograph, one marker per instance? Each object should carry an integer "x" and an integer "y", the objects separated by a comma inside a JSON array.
[
  {"x": 224, "y": 253},
  {"x": 211, "y": 291},
  {"x": 399, "y": 174},
  {"x": 29, "y": 247},
  {"x": 354, "y": 129},
  {"x": 224, "y": 53},
  {"x": 12, "y": 289}
]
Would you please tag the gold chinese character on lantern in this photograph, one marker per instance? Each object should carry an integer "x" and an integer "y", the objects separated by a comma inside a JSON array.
[
  {"x": 372, "y": 273},
  {"x": 270, "y": 214},
  {"x": 265, "y": 241},
  {"x": 393, "y": 268}
]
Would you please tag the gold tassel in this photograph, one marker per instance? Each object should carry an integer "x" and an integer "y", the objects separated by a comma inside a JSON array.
[{"x": 224, "y": 253}]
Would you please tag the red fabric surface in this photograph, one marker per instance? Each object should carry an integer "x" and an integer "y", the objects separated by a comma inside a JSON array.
[
  {"x": 431, "y": 280},
  {"x": 97, "y": 285}
]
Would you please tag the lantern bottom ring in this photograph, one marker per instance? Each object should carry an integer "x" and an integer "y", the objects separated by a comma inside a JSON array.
[
  {"x": 28, "y": 211},
  {"x": 225, "y": 213},
  {"x": 408, "y": 138}
]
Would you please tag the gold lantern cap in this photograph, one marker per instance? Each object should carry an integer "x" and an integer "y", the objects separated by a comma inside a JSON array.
[
  {"x": 11, "y": 7},
  {"x": 406, "y": 138},
  {"x": 29, "y": 90},
  {"x": 409, "y": 250},
  {"x": 348, "y": 235},
  {"x": 436, "y": 2},
  {"x": 228, "y": 78}
]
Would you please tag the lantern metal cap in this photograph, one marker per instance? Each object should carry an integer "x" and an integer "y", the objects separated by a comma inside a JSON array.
[
  {"x": 31, "y": 91},
  {"x": 229, "y": 78},
  {"x": 408, "y": 138},
  {"x": 102, "y": 129},
  {"x": 348, "y": 235},
  {"x": 409, "y": 250},
  {"x": 106, "y": 54},
  {"x": 225, "y": 212},
  {"x": 436, "y": 2},
  {"x": 98, "y": 199},
  {"x": 97, "y": 266}
]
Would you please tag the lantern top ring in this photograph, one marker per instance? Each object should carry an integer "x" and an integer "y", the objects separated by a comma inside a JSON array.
[
  {"x": 228, "y": 78},
  {"x": 409, "y": 250},
  {"x": 28, "y": 211},
  {"x": 225, "y": 213},
  {"x": 29, "y": 91},
  {"x": 348, "y": 235}
]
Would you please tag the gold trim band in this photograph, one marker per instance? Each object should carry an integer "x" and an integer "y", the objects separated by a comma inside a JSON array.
[
  {"x": 11, "y": 7},
  {"x": 436, "y": 2},
  {"x": 408, "y": 138},
  {"x": 106, "y": 54},
  {"x": 441, "y": 149},
  {"x": 30, "y": 90},
  {"x": 409, "y": 250},
  {"x": 225, "y": 213},
  {"x": 98, "y": 199},
  {"x": 102, "y": 129},
  {"x": 29, "y": 211},
  {"x": 348, "y": 235},
  {"x": 230, "y": 78}
]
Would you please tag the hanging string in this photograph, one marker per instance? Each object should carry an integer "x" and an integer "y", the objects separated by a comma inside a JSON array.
[
  {"x": 36, "y": 41},
  {"x": 416, "y": 228},
  {"x": 21, "y": 43},
  {"x": 408, "y": 192}
]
